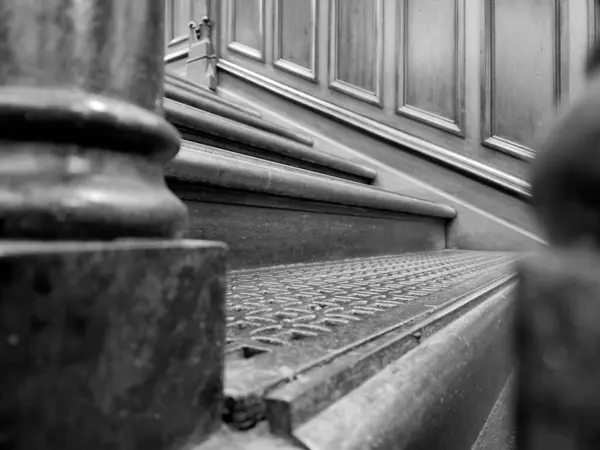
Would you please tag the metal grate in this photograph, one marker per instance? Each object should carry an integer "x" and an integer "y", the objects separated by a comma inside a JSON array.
[{"x": 277, "y": 306}]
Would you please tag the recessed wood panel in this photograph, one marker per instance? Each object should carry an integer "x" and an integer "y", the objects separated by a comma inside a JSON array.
[
  {"x": 432, "y": 61},
  {"x": 296, "y": 36},
  {"x": 247, "y": 27},
  {"x": 356, "y": 48},
  {"x": 178, "y": 15},
  {"x": 523, "y": 71}
]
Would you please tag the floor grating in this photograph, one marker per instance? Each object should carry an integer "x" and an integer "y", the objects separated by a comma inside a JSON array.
[{"x": 279, "y": 306}]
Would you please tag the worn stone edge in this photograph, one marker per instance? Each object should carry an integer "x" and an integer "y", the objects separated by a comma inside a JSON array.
[
  {"x": 183, "y": 94},
  {"x": 11, "y": 247},
  {"x": 202, "y": 123},
  {"x": 498, "y": 433},
  {"x": 196, "y": 163},
  {"x": 400, "y": 403},
  {"x": 280, "y": 400}
]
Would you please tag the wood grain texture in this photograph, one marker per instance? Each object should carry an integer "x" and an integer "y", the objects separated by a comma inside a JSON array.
[
  {"x": 523, "y": 71},
  {"x": 356, "y": 39},
  {"x": 295, "y": 40},
  {"x": 432, "y": 62},
  {"x": 247, "y": 28}
]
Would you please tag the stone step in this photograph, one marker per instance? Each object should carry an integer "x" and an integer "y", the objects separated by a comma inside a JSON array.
[
  {"x": 302, "y": 337},
  {"x": 269, "y": 213},
  {"x": 215, "y": 130},
  {"x": 178, "y": 89},
  {"x": 436, "y": 396},
  {"x": 173, "y": 79}
]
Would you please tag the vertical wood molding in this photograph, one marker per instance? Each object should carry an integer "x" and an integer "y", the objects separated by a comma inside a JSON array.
[
  {"x": 177, "y": 36},
  {"x": 372, "y": 97},
  {"x": 243, "y": 49},
  {"x": 593, "y": 22},
  {"x": 178, "y": 40},
  {"x": 455, "y": 124},
  {"x": 560, "y": 54},
  {"x": 309, "y": 73}
]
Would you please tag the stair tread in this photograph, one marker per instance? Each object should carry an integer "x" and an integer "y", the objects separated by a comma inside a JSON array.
[
  {"x": 201, "y": 164},
  {"x": 301, "y": 336},
  {"x": 214, "y": 130},
  {"x": 290, "y": 304},
  {"x": 178, "y": 91}
]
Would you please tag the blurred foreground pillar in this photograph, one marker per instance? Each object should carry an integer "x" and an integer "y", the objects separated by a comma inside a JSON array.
[{"x": 111, "y": 327}]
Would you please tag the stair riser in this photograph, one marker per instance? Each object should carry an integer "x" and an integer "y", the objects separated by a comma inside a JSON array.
[{"x": 264, "y": 236}]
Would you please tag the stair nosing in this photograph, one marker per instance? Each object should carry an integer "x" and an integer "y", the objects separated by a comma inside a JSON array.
[
  {"x": 427, "y": 365},
  {"x": 217, "y": 127},
  {"x": 174, "y": 79},
  {"x": 247, "y": 173}
]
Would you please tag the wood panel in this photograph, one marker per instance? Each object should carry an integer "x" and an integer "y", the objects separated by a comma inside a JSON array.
[
  {"x": 580, "y": 36},
  {"x": 295, "y": 40},
  {"x": 264, "y": 236},
  {"x": 356, "y": 52},
  {"x": 179, "y": 13},
  {"x": 431, "y": 63},
  {"x": 523, "y": 71},
  {"x": 593, "y": 14},
  {"x": 247, "y": 28}
]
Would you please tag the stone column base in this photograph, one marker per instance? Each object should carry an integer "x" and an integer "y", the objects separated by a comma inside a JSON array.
[{"x": 110, "y": 345}]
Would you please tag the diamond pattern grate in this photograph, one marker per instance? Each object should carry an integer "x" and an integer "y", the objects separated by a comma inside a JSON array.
[{"x": 277, "y": 306}]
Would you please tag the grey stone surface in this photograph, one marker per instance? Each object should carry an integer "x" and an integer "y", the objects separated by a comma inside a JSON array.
[
  {"x": 82, "y": 144},
  {"x": 557, "y": 343},
  {"x": 110, "y": 345}
]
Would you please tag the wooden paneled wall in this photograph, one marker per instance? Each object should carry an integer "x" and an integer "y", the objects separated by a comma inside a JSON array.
[
  {"x": 178, "y": 16},
  {"x": 475, "y": 80},
  {"x": 525, "y": 70}
]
